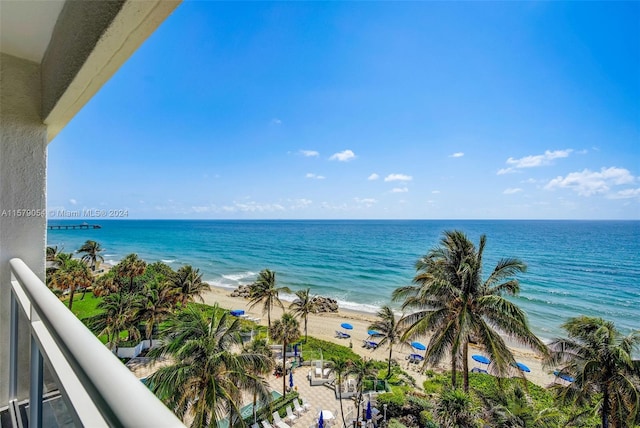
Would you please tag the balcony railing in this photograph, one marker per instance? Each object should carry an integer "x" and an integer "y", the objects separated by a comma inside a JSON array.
[{"x": 97, "y": 388}]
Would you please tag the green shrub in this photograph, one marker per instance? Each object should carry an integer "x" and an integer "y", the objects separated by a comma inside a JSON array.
[
  {"x": 394, "y": 423},
  {"x": 394, "y": 401},
  {"x": 329, "y": 350}
]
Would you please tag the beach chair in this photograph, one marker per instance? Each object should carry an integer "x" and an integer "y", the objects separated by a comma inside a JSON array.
[
  {"x": 305, "y": 404},
  {"x": 255, "y": 425},
  {"x": 290, "y": 416},
  {"x": 297, "y": 407},
  {"x": 279, "y": 423},
  {"x": 266, "y": 424}
]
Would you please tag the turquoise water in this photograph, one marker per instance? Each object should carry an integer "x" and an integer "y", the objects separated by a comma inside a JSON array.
[{"x": 574, "y": 267}]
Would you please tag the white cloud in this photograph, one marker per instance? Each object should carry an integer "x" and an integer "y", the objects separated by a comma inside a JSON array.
[
  {"x": 343, "y": 156},
  {"x": 626, "y": 194},
  {"x": 534, "y": 160},
  {"x": 367, "y": 202},
  {"x": 276, "y": 121},
  {"x": 457, "y": 155},
  {"x": 373, "y": 176},
  {"x": 309, "y": 153},
  {"x": 512, "y": 190},
  {"x": 399, "y": 190},
  {"x": 587, "y": 182},
  {"x": 314, "y": 176},
  {"x": 252, "y": 206},
  {"x": 398, "y": 177},
  {"x": 73, "y": 201},
  {"x": 300, "y": 203},
  {"x": 435, "y": 192}
]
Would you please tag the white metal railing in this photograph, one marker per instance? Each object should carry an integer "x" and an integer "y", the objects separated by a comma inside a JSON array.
[{"x": 98, "y": 389}]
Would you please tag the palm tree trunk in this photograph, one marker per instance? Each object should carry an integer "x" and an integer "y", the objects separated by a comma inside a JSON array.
[
  {"x": 454, "y": 374},
  {"x": 305, "y": 329},
  {"x": 605, "y": 408},
  {"x": 389, "y": 365},
  {"x": 465, "y": 365},
  {"x": 71, "y": 292},
  {"x": 344, "y": 423},
  {"x": 284, "y": 369}
]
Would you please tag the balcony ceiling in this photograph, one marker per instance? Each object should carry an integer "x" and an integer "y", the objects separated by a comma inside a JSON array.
[{"x": 26, "y": 26}]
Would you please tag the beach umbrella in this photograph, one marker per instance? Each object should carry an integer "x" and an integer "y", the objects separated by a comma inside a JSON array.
[
  {"x": 320, "y": 421},
  {"x": 481, "y": 359},
  {"x": 346, "y": 326},
  {"x": 563, "y": 376},
  {"x": 295, "y": 350},
  {"x": 523, "y": 367},
  {"x": 419, "y": 346},
  {"x": 368, "y": 414},
  {"x": 373, "y": 333},
  {"x": 291, "y": 379}
]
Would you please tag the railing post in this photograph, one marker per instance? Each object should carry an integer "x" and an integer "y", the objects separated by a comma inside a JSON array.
[
  {"x": 35, "y": 387},
  {"x": 13, "y": 349}
]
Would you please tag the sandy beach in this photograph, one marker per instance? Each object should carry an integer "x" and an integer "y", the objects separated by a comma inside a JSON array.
[{"x": 324, "y": 326}]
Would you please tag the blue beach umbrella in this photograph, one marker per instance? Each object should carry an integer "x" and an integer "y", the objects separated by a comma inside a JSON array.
[
  {"x": 373, "y": 333},
  {"x": 295, "y": 350},
  {"x": 563, "y": 376},
  {"x": 291, "y": 379},
  {"x": 523, "y": 367},
  {"x": 320, "y": 421},
  {"x": 419, "y": 346},
  {"x": 346, "y": 326},
  {"x": 481, "y": 359},
  {"x": 368, "y": 414}
]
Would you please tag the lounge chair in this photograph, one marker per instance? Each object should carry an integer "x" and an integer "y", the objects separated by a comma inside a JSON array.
[
  {"x": 305, "y": 404},
  {"x": 297, "y": 407},
  {"x": 255, "y": 425},
  {"x": 290, "y": 416},
  {"x": 266, "y": 424},
  {"x": 279, "y": 423}
]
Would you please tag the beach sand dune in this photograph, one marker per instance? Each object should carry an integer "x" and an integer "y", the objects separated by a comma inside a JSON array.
[{"x": 324, "y": 326}]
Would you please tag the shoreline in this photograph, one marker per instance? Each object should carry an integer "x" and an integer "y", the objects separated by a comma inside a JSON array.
[{"x": 323, "y": 326}]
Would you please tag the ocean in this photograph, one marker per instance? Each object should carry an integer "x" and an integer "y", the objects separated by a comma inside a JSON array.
[{"x": 573, "y": 267}]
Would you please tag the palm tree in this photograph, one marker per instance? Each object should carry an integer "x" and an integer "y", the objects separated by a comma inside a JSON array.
[
  {"x": 72, "y": 275},
  {"x": 361, "y": 369},
  {"x": 107, "y": 284},
  {"x": 286, "y": 330},
  {"x": 207, "y": 379},
  {"x": 92, "y": 256},
  {"x": 453, "y": 301},
  {"x": 259, "y": 346},
  {"x": 390, "y": 330},
  {"x": 601, "y": 361},
  {"x": 265, "y": 290},
  {"x": 119, "y": 313},
  {"x": 304, "y": 305},
  {"x": 156, "y": 304},
  {"x": 454, "y": 409},
  {"x": 189, "y": 284},
  {"x": 340, "y": 368},
  {"x": 131, "y": 267}
]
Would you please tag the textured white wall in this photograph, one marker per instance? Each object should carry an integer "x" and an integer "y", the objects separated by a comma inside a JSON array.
[{"x": 23, "y": 158}]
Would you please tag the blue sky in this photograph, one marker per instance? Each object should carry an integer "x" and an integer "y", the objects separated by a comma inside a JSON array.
[{"x": 431, "y": 110}]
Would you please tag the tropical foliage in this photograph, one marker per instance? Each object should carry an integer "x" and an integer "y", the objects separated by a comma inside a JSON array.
[
  {"x": 601, "y": 362},
  {"x": 265, "y": 291},
  {"x": 69, "y": 276},
  {"x": 207, "y": 379},
  {"x": 304, "y": 305},
  {"x": 286, "y": 330},
  {"x": 90, "y": 251},
  {"x": 390, "y": 331},
  {"x": 452, "y": 301}
]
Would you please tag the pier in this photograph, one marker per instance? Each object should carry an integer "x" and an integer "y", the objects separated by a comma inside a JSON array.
[{"x": 74, "y": 226}]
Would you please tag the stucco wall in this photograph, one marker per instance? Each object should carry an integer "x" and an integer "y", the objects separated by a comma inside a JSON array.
[{"x": 23, "y": 155}]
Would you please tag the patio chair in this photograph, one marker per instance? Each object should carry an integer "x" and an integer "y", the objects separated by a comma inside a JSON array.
[
  {"x": 255, "y": 425},
  {"x": 305, "y": 404},
  {"x": 290, "y": 416},
  {"x": 279, "y": 423},
  {"x": 266, "y": 424},
  {"x": 297, "y": 407}
]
